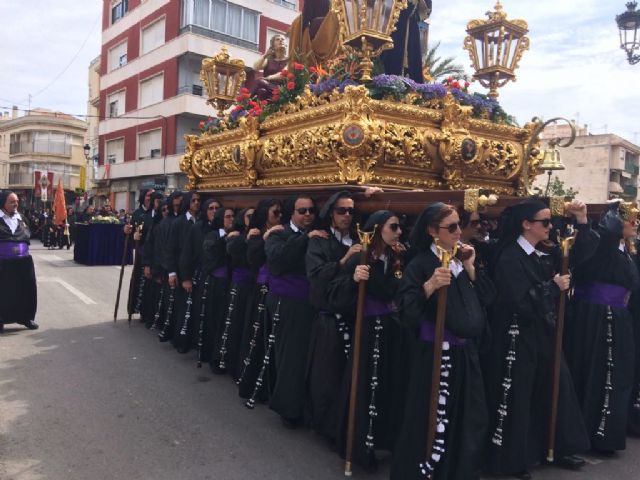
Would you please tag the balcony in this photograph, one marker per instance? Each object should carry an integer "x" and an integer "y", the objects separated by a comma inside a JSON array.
[
  {"x": 192, "y": 90},
  {"x": 630, "y": 167},
  {"x": 631, "y": 191}
]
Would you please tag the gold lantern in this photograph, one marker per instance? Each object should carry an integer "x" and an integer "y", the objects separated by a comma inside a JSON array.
[
  {"x": 366, "y": 27},
  {"x": 496, "y": 46},
  {"x": 222, "y": 77}
]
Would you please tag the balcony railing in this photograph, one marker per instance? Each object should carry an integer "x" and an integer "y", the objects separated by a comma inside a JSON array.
[
  {"x": 191, "y": 89},
  {"x": 285, "y": 3},
  {"x": 41, "y": 147},
  {"x": 219, "y": 36}
]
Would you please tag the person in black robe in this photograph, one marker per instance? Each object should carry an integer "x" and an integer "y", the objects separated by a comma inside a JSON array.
[
  {"x": 17, "y": 275},
  {"x": 462, "y": 413},
  {"x": 242, "y": 284},
  {"x": 162, "y": 265},
  {"x": 136, "y": 226},
  {"x": 256, "y": 376},
  {"x": 599, "y": 335},
  {"x": 331, "y": 332},
  {"x": 182, "y": 272},
  {"x": 150, "y": 263},
  {"x": 405, "y": 58},
  {"x": 634, "y": 401},
  {"x": 289, "y": 307},
  {"x": 380, "y": 378},
  {"x": 518, "y": 368},
  {"x": 216, "y": 266}
]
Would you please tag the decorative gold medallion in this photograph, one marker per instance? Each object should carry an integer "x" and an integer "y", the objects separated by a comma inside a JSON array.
[{"x": 353, "y": 135}]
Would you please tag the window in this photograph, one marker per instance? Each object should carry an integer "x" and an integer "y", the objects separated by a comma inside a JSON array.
[
  {"x": 115, "y": 151},
  {"x": 117, "y": 56},
  {"x": 152, "y": 36},
  {"x": 151, "y": 91},
  {"x": 290, "y": 4},
  {"x": 118, "y": 10},
  {"x": 223, "y": 17},
  {"x": 116, "y": 103},
  {"x": 149, "y": 144}
]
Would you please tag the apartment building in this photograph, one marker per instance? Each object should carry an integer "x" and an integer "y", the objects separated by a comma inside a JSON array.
[{"x": 150, "y": 92}]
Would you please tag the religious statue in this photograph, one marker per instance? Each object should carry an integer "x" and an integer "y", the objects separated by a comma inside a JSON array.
[
  {"x": 314, "y": 34},
  {"x": 271, "y": 63},
  {"x": 405, "y": 58}
]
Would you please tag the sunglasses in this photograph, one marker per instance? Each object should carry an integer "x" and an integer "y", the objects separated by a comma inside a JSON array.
[
  {"x": 344, "y": 210},
  {"x": 545, "y": 222},
  {"x": 451, "y": 228},
  {"x": 394, "y": 227},
  {"x": 303, "y": 211},
  {"x": 212, "y": 208},
  {"x": 193, "y": 200}
]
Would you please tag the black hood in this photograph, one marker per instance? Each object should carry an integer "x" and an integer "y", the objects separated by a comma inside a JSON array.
[
  {"x": 261, "y": 213},
  {"x": 141, "y": 195},
  {"x": 611, "y": 222}
]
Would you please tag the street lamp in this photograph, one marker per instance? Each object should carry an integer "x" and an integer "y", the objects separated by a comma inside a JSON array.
[
  {"x": 86, "y": 149},
  {"x": 628, "y": 23},
  {"x": 222, "y": 78},
  {"x": 496, "y": 46},
  {"x": 366, "y": 26}
]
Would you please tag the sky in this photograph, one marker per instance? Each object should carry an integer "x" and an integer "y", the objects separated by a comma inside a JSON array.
[{"x": 574, "y": 67}]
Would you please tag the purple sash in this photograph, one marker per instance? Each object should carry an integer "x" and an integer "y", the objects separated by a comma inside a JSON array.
[
  {"x": 13, "y": 249},
  {"x": 374, "y": 307},
  {"x": 603, "y": 294},
  {"x": 294, "y": 286},
  {"x": 428, "y": 333},
  {"x": 263, "y": 275},
  {"x": 220, "y": 272},
  {"x": 241, "y": 276}
]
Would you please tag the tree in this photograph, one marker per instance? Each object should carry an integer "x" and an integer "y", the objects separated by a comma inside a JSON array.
[
  {"x": 440, "y": 68},
  {"x": 557, "y": 188}
]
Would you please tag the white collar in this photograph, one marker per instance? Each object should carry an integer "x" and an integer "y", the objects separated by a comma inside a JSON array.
[
  {"x": 455, "y": 265},
  {"x": 528, "y": 248},
  {"x": 293, "y": 226},
  {"x": 344, "y": 239},
  {"x": 621, "y": 247},
  {"x": 15, "y": 216},
  {"x": 188, "y": 215},
  {"x": 222, "y": 232}
]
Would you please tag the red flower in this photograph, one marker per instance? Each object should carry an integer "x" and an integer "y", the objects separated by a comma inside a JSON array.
[
  {"x": 239, "y": 98},
  {"x": 284, "y": 72},
  {"x": 313, "y": 69},
  {"x": 244, "y": 90},
  {"x": 201, "y": 124},
  {"x": 298, "y": 66},
  {"x": 291, "y": 76},
  {"x": 466, "y": 84},
  {"x": 291, "y": 85},
  {"x": 455, "y": 84},
  {"x": 263, "y": 102}
]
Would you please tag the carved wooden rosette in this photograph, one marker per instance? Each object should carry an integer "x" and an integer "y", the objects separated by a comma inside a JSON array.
[{"x": 350, "y": 138}]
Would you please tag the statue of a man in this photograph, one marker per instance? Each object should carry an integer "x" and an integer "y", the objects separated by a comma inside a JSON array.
[
  {"x": 271, "y": 63},
  {"x": 314, "y": 34}
]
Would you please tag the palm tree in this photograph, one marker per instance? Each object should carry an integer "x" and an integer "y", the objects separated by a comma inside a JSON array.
[{"x": 440, "y": 68}]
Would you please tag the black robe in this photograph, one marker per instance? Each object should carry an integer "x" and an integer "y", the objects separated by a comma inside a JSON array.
[
  {"x": 156, "y": 257},
  {"x": 524, "y": 311},
  {"x": 17, "y": 278},
  {"x": 383, "y": 365},
  {"x": 328, "y": 348},
  {"x": 466, "y": 413},
  {"x": 294, "y": 316},
  {"x": 588, "y": 342},
  {"x": 139, "y": 289}
]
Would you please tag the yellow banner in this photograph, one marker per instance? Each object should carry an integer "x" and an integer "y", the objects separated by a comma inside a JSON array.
[{"x": 83, "y": 178}]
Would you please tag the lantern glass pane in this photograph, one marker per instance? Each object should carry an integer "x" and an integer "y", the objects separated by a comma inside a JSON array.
[
  {"x": 492, "y": 42},
  {"x": 385, "y": 15},
  {"x": 222, "y": 83},
  {"x": 351, "y": 9},
  {"x": 212, "y": 80}
]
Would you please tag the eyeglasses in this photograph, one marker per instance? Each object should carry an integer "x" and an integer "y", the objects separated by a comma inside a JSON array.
[
  {"x": 276, "y": 213},
  {"x": 545, "y": 222},
  {"x": 451, "y": 228},
  {"x": 212, "y": 208},
  {"x": 394, "y": 227},
  {"x": 303, "y": 211},
  {"x": 344, "y": 210}
]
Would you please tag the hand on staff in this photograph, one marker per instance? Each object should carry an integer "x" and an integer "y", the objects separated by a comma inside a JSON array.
[
  {"x": 187, "y": 285},
  {"x": 276, "y": 228},
  {"x": 563, "y": 281},
  {"x": 127, "y": 229},
  {"x": 318, "y": 233},
  {"x": 147, "y": 273},
  {"x": 579, "y": 210},
  {"x": 137, "y": 236},
  {"x": 398, "y": 247},
  {"x": 357, "y": 248},
  {"x": 254, "y": 232},
  {"x": 469, "y": 263},
  {"x": 441, "y": 278},
  {"x": 361, "y": 273},
  {"x": 235, "y": 233}
]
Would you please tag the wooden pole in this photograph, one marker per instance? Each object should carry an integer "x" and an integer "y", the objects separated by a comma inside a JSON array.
[{"x": 125, "y": 251}]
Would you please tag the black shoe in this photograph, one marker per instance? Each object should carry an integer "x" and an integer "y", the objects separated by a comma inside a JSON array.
[
  {"x": 570, "y": 462},
  {"x": 31, "y": 325},
  {"x": 523, "y": 475}
]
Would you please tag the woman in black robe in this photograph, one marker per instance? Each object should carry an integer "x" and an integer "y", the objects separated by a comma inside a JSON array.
[
  {"x": 634, "y": 402},
  {"x": 242, "y": 282},
  {"x": 255, "y": 371},
  {"x": 153, "y": 301},
  {"x": 462, "y": 423},
  {"x": 380, "y": 379},
  {"x": 599, "y": 337},
  {"x": 518, "y": 368}
]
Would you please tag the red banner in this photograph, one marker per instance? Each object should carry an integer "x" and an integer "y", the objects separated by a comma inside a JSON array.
[
  {"x": 50, "y": 187},
  {"x": 37, "y": 191}
]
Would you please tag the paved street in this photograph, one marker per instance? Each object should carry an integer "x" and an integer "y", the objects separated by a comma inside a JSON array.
[{"x": 84, "y": 398}]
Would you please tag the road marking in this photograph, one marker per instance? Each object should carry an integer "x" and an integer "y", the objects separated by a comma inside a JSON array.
[{"x": 85, "y": 299}]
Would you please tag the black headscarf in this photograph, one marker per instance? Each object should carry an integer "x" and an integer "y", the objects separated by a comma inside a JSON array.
[
  {"x": 420, "y": 240},
  {"x": 289, "y": 205},
  {"x": 186, "y": 201},
  {"x": 378, "y": 218},
  {"x": 261, "y": 213},
  {"x": 238, "y": 221},
  {"x": 4, "y": 194},
  {"x": 611, "y": 223},
  {"x": 143, "y": 193},
  {"x": 327, "y": 208},
  {"x": 218, "y": 218},
  {"x": 172, "y": 197}
]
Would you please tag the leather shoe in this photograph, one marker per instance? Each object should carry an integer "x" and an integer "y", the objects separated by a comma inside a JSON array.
[
  {"x": 570, "y": 462},
  {"x": 523, "y": 475},
  {"x": 31, "y": 325}
]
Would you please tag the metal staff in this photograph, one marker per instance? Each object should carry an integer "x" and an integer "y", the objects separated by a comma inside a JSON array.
[
  {"x": 566, "y": 244},
  {"x": 365, "y": 240},
  {"x": 445, "y": 259},
  {"x": 132, "y": 282},
  {"x": 125, "y": 251}
]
